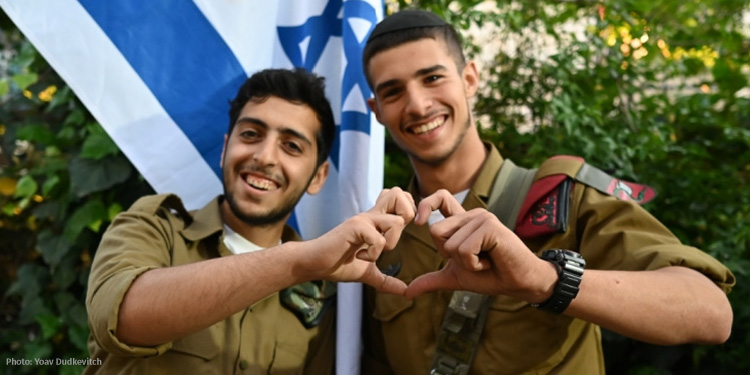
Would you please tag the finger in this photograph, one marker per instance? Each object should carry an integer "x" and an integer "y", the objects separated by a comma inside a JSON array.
[
  {"x": 390, "y": 226},
  {"x": 466, "y": 245},
  {"x": 367, "y": 253},
  {"x": 382, "y": 282},
  {"x": 430, "y": 282},
  {"x": 396, "y": 201},
  {"x": 441, "y": 200}
]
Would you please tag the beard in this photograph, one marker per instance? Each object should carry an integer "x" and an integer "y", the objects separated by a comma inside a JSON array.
[
  {"x": 440, "y": 159},
  {"x": 279, "y": 213},
  {"x": 276, "y": 215}
]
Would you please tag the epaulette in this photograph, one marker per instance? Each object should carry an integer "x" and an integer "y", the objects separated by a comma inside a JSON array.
[
  {"x": 545, "y": 208},
  {"x": 152, "y": 203}
]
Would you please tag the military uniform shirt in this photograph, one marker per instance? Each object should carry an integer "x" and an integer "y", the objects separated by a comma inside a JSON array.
[
  {"x": 610, "y": 234},
  {"x": 265, "y": 338}
]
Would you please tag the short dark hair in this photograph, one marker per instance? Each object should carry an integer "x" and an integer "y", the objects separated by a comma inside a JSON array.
[
  {"x": 393, "y": 39},
  {"x": 294, "y": 85}
]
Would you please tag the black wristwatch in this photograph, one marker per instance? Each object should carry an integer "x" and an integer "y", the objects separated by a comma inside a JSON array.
[{"x": 570, "y": 267}]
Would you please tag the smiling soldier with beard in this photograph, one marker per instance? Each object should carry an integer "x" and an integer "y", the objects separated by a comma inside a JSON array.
[
  {"x": 229, "y": 288},
  {"x": 531, "y": 289}
]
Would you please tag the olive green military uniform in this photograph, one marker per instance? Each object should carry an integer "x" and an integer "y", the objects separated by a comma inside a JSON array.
[
  {"x": 265, "y": 338},
  {"x": 610, "y": 234}
]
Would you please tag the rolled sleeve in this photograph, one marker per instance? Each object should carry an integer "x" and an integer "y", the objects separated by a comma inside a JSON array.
[
  {"x": 133, "y": 244},
  {"x": 621, "y": 235}
]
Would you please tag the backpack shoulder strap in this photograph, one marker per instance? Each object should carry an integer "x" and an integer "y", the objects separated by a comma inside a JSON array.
[
  {"x": 466, "y": 315},
  {"x": 576, "y": 168},
  {"x": 509, "y": 192}
]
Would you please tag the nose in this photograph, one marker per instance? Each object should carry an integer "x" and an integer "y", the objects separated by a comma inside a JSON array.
[
  {"x": 418, "y": 101},
  {"x": 265, "y": 152}
]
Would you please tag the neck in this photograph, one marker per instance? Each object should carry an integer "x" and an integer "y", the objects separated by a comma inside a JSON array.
[
  {"x": 458, "y": 172},
  {"x": 262, "y": 235}
]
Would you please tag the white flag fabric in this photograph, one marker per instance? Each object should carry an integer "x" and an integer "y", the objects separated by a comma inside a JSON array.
[{"x": 158, "y": 76}]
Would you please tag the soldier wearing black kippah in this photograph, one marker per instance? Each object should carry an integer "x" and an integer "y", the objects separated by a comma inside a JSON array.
[{"x": 516, "y": 270}]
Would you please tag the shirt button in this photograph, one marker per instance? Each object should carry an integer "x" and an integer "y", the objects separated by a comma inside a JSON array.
[{"x": 244, "y": 364}]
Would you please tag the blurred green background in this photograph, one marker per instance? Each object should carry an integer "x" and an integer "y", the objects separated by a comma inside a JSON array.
[{"x": 650, "y": 91}]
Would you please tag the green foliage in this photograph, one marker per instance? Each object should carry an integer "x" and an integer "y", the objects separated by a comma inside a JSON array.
[
  {"x": 671, "y": 110},
  {"x": 651, "y": 91},
  {"x": 62, "y": 179}
]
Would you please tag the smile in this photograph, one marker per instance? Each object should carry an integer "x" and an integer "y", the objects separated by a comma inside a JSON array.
[
  {"x": 421, "y": 129},
  {"x": 261, "y": 183}
]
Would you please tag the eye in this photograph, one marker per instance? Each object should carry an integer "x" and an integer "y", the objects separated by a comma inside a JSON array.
[
  {"x": 252, "y": 134},
  {"x": 249, "y": 133},
  {"x": 432, "y": 78},
  {"x": 293, "y": 147},
  {"x": 390, "y": 94}
]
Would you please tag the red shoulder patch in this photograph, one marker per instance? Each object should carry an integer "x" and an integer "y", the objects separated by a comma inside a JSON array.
[{"x": 545, "y": 209}]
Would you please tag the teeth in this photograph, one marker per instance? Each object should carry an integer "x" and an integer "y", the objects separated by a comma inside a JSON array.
[
  {"x": 260, "y": 183},
  {"x": 428, "y": 126}
]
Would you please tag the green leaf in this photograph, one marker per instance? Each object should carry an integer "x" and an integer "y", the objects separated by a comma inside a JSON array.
[
  {"x": 24, "y": 80},
  {"x": 9, "y": 209},
  {"x": 39, "y": 348},
  {"x": 78, "y": 315},
  {"x": 76, "y": 117},
  {"x": 91, "y": 212},
  {"x": 79, "y": 335},
  {"x": 98, "y": 145},
  {"x": 29, "y": 280},
  {"x": 729, "y": 78},
  {"x": 114, "y": 209},
  {"x": 60, "y": 98},
  {"x": 49, "y": 323},
  {"x": 25, "y": 187},
  {"x": 88, "y": 176},
  {"x": 26, "y": 56},
  {"x": 64, "y": 275},
  {"x": 32, "y": 307},
  {"x": 36, "y": 133},
  {"x": 64, "y": 300},
  {"x": 53, "y": 247},
  {"x": 50, "y": 184}
]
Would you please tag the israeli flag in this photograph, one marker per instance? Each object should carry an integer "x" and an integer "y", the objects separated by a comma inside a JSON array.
[{"x": 158, "y": 76}]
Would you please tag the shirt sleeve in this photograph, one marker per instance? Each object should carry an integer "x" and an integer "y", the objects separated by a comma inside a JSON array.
[
  {"x": 621, "y": 235},
  {"x": 134, "y": 243}
]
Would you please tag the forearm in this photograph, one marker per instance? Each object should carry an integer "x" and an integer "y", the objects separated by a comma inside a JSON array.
[
  {"x": 669, "y": 306},
  {"x": 168, "y": 303}
]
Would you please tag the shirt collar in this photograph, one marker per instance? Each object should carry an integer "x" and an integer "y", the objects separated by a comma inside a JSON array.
[
  {"x": 207, "y": 222},
  {"x": 483, "y": 185}
]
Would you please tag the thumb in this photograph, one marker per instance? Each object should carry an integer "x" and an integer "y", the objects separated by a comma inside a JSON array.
[
  {"x": 382, "y": 282},
  {"x": 430, "y": 282}
]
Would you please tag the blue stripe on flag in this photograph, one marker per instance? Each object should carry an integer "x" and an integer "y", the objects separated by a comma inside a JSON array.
[
  {"x": 189, "y": 68},
  {"x": 354, "y": 73}
]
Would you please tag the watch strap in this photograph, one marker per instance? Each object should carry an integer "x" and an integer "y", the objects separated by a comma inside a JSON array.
[{"x": 570, "y": 266}]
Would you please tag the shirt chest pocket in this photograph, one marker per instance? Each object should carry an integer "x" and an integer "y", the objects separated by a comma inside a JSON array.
[
  {"x": 522, "y": 339},
  {"x": 197, "y": 353}
]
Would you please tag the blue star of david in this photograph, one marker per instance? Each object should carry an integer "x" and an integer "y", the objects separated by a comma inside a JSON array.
[{"x": 319, "y": 29}]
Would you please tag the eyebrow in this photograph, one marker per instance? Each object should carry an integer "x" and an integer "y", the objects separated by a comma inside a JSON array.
[
  {"x": 283, "y": 129},
  {"x": 421, "y": 72}
]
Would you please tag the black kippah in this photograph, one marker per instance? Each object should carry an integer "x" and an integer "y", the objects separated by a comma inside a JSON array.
[{"x": 406, "y": 19}]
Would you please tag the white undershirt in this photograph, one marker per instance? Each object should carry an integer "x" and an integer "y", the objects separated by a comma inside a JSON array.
[
  {"x": 436, "y": 216},
  {"x": 238, "y": 244}
]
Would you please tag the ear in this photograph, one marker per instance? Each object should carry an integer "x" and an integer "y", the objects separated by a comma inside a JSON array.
[
  {"x": 316, "y": 184},
  {"x": 471, "y": 79},
  {"x": 374, "y": 108},
  {"x": 223, "y": 150}
]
